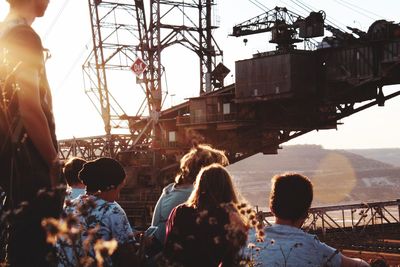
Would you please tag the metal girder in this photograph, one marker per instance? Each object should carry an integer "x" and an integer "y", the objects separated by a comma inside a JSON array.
[
  {"x": 114, "y": 48},
  {"x": 266, "y": 21},
  {"x": 195, "y": 31},
  {"x": 94, "y": 147},
  {"x": 122, "y": 30},
  {"x": 353, "y": 218}
]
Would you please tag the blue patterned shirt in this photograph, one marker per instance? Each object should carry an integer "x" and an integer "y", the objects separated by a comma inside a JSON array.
[
  {"x": 108, "y": 216},
  {"x": 290, "y": 246}
]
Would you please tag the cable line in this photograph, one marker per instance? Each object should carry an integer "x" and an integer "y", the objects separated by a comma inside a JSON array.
[
  {"x": 306, "y": 6},
  {"x": 353, "y": 9},
  {"x": 363, "y": 9},
  {"x": 331, "y": 21},
  {"x": 73, "y": 65},
  {"x": 292, "y": 8},
  {"x": 56, "y": 19},
  {"x": 308, "y": 10},
  {"x": 266, "y": 8},
  {"x": 258, "y": 5}
]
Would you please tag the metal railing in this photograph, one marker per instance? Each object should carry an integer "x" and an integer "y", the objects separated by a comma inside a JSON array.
[
  {"x": 348, "y": 218},
  {"x": 206, "y": 118},
  {"x": 94, "y": 147}
]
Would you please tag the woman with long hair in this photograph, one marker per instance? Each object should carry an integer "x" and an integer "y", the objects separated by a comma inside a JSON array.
[
  {"x": 207, "y": 230},
  {"x": 178, "y": 192}
]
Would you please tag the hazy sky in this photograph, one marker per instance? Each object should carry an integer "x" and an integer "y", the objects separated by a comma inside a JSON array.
[{"x": 65, "y": 30}]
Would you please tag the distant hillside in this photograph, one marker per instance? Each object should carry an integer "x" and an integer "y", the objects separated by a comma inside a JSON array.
[
  {"x": 338, "y": 176},
  {"x": 387, "y": 155},
  {"x": 303, "y": 157}
]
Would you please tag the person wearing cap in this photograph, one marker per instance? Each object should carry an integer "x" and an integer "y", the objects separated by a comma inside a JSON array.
[{"x": 104, "y": 179}]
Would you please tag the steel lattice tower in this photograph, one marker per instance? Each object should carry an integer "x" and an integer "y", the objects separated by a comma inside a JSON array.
[{"x": 120, "y": 31}]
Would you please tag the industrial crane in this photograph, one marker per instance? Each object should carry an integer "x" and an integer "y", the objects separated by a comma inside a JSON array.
[
  {"x": 284, "y": 26},
  {"x": 344, "y": 70},
  {"x": 124, "y": 32},
  {"x": 274, "y": 98}
]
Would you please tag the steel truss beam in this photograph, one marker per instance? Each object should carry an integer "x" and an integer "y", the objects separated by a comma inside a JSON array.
[
  {"x": 94, "y": 147},
  {"x": 346, "y": 223},
  {"x": 115, "y": 39},
  {"x": 121, "y": 32}
]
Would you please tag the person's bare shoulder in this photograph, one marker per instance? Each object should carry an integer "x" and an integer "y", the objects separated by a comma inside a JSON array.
[{"x": 24, "y": 44}]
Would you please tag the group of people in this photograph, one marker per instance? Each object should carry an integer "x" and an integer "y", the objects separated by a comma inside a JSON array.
[
  {"x": 197, "y": 220},
  {"x": 190, "y": 221}
]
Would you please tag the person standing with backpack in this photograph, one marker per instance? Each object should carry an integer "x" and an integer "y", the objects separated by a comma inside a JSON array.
[{"x": 28, "y": 156}]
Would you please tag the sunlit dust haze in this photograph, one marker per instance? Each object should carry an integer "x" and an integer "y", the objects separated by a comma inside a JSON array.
[{"x": 334, "y": 171}]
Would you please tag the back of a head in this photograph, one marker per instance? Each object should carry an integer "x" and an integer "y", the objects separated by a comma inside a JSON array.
[
  {"x": 71, "y": 170},
  {"x": 291, "y": 196},
  {"x": 198, "y": 157},
  {"x": 16, "y": 3},
  {"x": 102, "y": 175},
  {"x": 213, "y": 187},
  {"x": 37, "y": 8}
]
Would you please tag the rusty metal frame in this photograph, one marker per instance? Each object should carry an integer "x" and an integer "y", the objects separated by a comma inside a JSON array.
[
  {"x": 94, "y": 147},
  {"x": 348, "y": 218}
]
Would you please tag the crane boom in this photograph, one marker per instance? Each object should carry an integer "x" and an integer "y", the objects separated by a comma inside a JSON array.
[{"x": 283, "y": 24}]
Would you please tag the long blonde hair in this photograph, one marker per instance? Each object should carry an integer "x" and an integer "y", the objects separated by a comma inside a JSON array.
[
  {"x": 213, "y": 188},
  {"x": 198, "y": 157}
]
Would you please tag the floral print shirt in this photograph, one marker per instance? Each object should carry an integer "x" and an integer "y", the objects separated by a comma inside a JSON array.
[
  {"x": 93, "y": 212},
  {"x": 73, "y": 193},
  {"x": 284, "y": 245}
]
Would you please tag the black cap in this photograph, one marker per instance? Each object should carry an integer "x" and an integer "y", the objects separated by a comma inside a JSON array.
[{"x": 102, "y": 174}]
